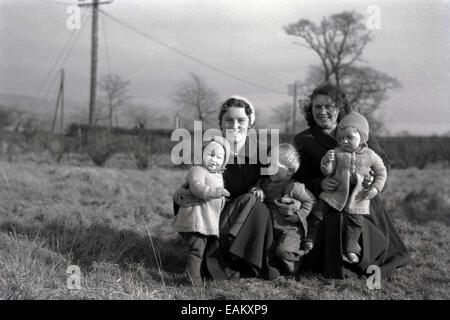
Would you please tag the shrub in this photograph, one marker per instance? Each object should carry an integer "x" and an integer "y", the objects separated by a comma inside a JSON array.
[{"x": 100, "y": 143}]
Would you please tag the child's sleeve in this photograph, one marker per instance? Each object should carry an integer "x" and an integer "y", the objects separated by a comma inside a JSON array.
[
  {"x": 380, "y": 172},
  {"x": 307, "y": 199},
  {"x": 328, "y": 167},
  {"x": 197, "y": 184}
]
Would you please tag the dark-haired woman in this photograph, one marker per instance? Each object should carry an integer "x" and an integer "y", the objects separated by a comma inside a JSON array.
[{"x": 381, "y": 244}]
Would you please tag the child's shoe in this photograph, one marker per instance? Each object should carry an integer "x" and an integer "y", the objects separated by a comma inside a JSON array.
[
  {"x": 307, "y": 245},
  {"x": 313, "y": 227},
  {"x": 351, "y": 257}
]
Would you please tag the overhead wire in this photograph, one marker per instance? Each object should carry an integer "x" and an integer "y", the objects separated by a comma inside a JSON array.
[
  {"x": 55, "y": 63},
  {"x": 108, "y": 60},
  {"x": 66, "y": 56},
  {"x": 187, "y": 56},
  {"x": 60, "y": 3}
]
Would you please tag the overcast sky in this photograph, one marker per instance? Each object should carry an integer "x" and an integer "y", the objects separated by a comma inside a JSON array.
[{"x": 245, "y": 38}]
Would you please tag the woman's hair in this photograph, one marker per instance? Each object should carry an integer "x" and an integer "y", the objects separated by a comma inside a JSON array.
[
  {"x": 237, "y": 103},
  {"x": 287, "y": 156},
  {"x": 337, "y": 96}
]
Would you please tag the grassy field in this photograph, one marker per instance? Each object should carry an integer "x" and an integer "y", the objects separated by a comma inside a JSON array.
[{"x": 115, "y": 225}]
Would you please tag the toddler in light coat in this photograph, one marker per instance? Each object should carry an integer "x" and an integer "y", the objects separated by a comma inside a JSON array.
[{"x": 198, "y": 222}]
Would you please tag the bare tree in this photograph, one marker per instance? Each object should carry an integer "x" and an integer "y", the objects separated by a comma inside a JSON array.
[
  {"x": 365, "y": 88},
  {"x": 114, "y": 94},
  {"x": 194, "y": 96},
  {"x": 142, "y": 115},
  {"x": 338, "y": 40}
]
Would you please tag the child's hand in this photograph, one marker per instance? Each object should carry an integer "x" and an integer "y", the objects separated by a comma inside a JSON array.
[
  {"x": 222, "y": 192},
  {"x": 287, "y": 206},
  {"x": 258, "y": 193},
  {"x": 292, "y": 218},
  {"x": 289, "y": 200},
  {"x": 331, "y": 156},
  {"x": 371, "y": 193}
]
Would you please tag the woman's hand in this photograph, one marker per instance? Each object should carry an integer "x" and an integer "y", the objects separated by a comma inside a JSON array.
[
  {"x": 368, "y": 179},
  {"x": 329, "y": 184},
  {"x": 371, "y": 193},
  {"x": 184, "y": 198},
  {"x": 258, "y": 193}
]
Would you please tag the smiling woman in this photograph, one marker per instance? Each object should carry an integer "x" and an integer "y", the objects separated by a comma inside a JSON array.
[
  {"x": 381, "y": 244},
  {"x": 236, "y": 116},
  {"x": 324, "y": 111}
]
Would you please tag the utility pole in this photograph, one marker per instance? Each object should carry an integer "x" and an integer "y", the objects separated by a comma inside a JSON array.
[
  {"x": 62, "y": 100},
  {"x": 94, "y": 56},
  {"x": 94, "y": 47}
]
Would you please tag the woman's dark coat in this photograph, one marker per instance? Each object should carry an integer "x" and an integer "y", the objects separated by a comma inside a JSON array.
[
  {"x": 380, "y": 242},
  {"x": 246, "y": 243}
]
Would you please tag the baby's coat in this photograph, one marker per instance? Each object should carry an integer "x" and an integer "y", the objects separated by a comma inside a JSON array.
[
  {"x": 202, "y": 218},
  {"x": 346, "y": 164}
]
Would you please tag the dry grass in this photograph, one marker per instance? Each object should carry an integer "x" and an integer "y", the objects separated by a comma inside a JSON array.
[
  {"x": 53, "y": 216},
  {"x": 419, "y": 195}
]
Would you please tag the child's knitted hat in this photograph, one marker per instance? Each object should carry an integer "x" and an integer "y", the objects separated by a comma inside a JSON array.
[
  {"x": 358, "y": 121},
  {"x": 225, "y": 145}
]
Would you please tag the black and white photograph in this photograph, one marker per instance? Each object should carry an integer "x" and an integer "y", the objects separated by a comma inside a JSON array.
[{"x": 251, "y": 151}]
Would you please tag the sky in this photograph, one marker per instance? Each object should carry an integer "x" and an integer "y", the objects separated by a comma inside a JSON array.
[{"x": 243, "y": 38}]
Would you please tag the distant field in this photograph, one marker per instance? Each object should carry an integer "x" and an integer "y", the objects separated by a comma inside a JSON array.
[{"x": 53, "y": 216}]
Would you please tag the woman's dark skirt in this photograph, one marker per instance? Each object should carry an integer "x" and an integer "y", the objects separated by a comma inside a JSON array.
[
  {"x": 380, "y": 242},
  {"x": 246, "y": 244}
]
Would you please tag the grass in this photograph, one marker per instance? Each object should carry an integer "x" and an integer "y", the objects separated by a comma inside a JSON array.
[
  {"x": 419, "y": 195},
  {"x": 115, "y": 225}
]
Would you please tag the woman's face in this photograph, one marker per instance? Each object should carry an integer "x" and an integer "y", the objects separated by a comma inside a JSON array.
[
  {"x": 235, "y": 122},
  {"x": 325, "y": 113}
]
